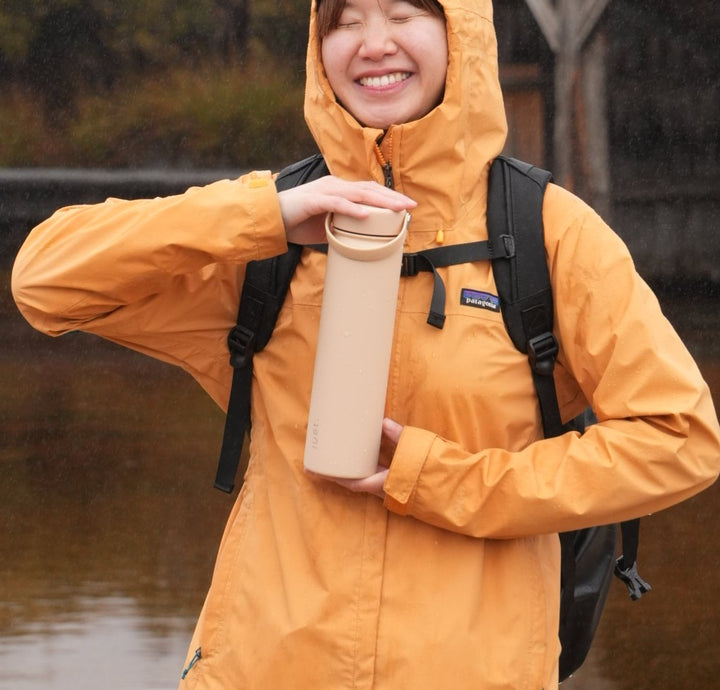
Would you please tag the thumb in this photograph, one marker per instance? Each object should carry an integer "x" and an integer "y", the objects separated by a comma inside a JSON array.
[{"x": 392, "y": 430}]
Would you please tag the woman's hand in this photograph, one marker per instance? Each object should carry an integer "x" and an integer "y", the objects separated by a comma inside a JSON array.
[
  {"x": 375, "y": 482},
  {"x": 304, "y": 207}
]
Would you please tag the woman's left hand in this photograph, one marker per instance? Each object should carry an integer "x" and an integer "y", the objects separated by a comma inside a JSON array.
[
  {"x": 371, "y": 485},
  {"x": 375, "y": 482}
]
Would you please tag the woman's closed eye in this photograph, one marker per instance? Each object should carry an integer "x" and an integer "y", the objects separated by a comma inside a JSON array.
[
  {"x": 403, "y": 11},
  {"x": 405, "y": 16},
  {"x": 349, "y": 18}
]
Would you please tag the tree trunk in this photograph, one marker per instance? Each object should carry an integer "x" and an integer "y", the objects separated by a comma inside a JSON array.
[
  {"x": 580, "y": 130},
  {"x": 235, "y": 28},
  {"x": 597, "y": 139}
]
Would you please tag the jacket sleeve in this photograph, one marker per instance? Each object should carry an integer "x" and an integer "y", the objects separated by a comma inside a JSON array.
[
  {"x": 657, "y": 441},
  {"x": 158, "y": 275}
]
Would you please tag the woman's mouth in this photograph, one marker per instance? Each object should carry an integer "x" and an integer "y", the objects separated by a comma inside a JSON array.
[{"x": 384, "y": 80}]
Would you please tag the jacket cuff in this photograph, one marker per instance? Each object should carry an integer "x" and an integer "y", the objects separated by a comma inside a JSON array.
[
  {"x": 407, "y": 463},
  {"x": 264, "y": 209}
]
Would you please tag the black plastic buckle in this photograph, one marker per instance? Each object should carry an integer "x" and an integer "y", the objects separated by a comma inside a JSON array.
[
  {"x": 508, "y": 242},
  {"x": 241, "y": 343},
  {"x": 629, "y": 575},
  {"x": 409, "y": 265},
  {"x": 542, "y": 351}
]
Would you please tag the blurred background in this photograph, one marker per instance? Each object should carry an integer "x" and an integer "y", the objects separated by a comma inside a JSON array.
[{"x": 108, "y": 520}]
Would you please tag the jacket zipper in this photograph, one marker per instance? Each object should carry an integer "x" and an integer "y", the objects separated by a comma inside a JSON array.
[
  {"x": 196, "y": 657},
  {"x": 387, "y": 170},
  {"x": 384, "y": 164}
]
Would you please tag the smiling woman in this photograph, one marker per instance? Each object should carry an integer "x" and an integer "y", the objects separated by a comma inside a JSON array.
[
  {"x": 386, "y": 61},
  {"x": 442, "y": 570}
]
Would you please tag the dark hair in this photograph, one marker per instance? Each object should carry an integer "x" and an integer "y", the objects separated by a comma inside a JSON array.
[{"x": 329, "y": 11}]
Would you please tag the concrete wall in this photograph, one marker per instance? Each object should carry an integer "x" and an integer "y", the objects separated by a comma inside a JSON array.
[
  {"x": 28, "y": 196},
  {"x": 671, "y": 237}
]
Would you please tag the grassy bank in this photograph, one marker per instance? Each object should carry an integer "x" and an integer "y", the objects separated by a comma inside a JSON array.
[{"x": 214, "y": 116}]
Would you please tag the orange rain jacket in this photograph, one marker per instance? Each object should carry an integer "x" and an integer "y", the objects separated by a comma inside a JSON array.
[{"x": 453, "y": 581}]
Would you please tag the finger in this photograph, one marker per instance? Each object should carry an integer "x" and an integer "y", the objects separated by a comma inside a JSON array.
[
  {"x": 371, "y": 485},
  {"x": 310, "y": 231},
  {"x": 371, "y": 193},
  {"x": 312, "y": 201},
  {"x": 392, "y": 430}
]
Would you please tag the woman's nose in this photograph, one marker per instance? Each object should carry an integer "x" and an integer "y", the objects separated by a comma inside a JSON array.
[{"x": 377, "y": 41}]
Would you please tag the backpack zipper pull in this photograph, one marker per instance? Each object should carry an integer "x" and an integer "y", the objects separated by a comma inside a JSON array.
[{"x": 196, "y": 657}]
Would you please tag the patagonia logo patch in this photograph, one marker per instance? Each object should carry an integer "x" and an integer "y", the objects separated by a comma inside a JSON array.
[{"x": 481, "y": 300}]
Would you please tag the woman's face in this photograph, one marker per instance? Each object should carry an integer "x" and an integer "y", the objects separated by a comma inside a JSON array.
[{"x": 386, "y": 61}]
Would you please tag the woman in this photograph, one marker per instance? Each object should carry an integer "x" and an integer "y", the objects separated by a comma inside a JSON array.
[{"x": 442, "y": 570}]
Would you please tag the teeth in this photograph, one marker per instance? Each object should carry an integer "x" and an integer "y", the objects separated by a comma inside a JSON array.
[{"x": 385, "y": 80}]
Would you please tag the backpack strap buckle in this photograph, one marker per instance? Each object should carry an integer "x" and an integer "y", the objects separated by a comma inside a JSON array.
[
  {"x": 629, "y": 575},
  {"x": 542, "y": 351},
  {"x": 241, "y": 343},
  {"x": 508, "y": 245},
  {"x": 410, "y": 266}
]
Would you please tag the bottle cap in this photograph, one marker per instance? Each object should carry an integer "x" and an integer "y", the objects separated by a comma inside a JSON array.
[{"x": 381, "y": 222}]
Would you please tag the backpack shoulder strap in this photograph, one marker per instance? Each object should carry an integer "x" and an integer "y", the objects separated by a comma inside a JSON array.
[
  {"x": 515, "y": 198},
  {"x": 264, "y": 288},
  {"x": 514, "y": 217}
]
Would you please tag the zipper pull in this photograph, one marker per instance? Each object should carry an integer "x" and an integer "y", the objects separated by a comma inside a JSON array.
[
  {"x": 389, "y": 181},
  {"x": 196, "y": 657}
]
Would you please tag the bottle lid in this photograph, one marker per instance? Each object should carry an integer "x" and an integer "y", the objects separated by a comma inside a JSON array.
[{"x": 381, "y": 222}]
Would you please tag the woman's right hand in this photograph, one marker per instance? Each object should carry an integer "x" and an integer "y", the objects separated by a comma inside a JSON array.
[{"x": 304, "y": 207}]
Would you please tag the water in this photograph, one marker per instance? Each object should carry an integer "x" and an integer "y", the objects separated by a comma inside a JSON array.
[
  {"x": 104, "y": 638},
  {"x": 110, "y": 524},
  {"x": 108, "y": 518}
]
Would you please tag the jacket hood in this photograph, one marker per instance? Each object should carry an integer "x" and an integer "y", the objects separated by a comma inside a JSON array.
[{"x": 442, "y": 159}]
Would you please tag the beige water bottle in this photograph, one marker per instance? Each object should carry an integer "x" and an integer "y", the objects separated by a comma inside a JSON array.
[{"x": 354, "y": 342}]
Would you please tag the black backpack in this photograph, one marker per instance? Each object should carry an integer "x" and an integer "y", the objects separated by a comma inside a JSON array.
[{"x": 516, "y": 248}]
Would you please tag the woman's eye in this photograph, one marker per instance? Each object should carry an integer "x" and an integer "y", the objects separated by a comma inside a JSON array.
[
  {"x": 348, "y": 20},
  {"x": 405, "y": 16},
  {"x": 403, "y": 11}
]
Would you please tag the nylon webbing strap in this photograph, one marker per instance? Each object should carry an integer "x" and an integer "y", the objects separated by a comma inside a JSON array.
[
  {"x": 264, "y": 288},
  {"x": 542, "y": 351},
  {"x": 515, "y": 198},
  {"x": 439, "y": 257},
  {"x": 630, "y": 539},
  {"x": 430, "y": 260},
  {"x": 237, "y": 418}
]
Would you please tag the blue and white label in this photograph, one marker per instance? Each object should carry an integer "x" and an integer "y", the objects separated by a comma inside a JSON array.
[{"x": 480, "y": 300}]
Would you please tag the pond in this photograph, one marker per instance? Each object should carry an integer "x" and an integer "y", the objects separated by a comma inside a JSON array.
[{"x": 110, "y": 525}]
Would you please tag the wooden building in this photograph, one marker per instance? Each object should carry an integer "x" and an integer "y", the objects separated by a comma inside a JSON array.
[{"x": 621, "y": 99}]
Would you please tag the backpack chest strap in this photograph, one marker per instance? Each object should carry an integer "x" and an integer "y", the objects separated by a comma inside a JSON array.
[{"x": 431, "y": 259}]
